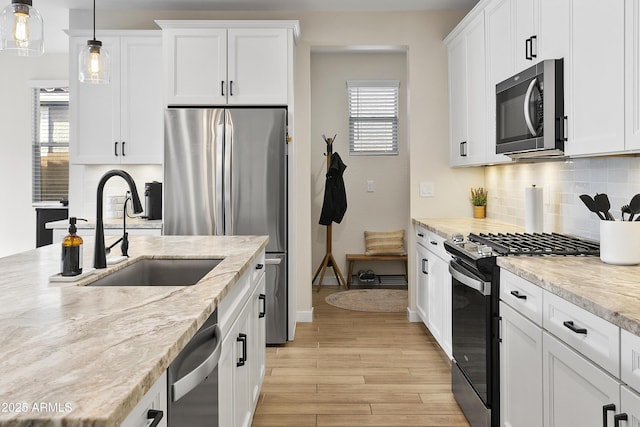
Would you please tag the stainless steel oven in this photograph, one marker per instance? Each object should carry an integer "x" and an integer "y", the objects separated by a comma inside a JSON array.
[
  {"x": 530, "y": 119},
  {"x": 474, "y": 379}
]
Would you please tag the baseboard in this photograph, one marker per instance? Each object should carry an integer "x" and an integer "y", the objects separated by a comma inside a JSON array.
[
  {"x": 413, "y": 316},
  {"x": 304, "y": 316}
]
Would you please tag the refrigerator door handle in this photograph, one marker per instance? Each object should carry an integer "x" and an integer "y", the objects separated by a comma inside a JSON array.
[
  {"x": 218, "y": 132},
  {"x": 273, "y": 261},
  {"x": 228, "y": 151}
]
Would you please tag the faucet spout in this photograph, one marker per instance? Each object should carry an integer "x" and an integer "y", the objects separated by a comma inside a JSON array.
[{"x": 99, "y": 253}]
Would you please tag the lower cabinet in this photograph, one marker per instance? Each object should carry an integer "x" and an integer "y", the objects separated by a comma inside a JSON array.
[
  {"x": 242, "y": 360},
  {"x": 520, "y": 370},
  {"x": 575, "y": 390},
  {"x": 629, "y": 407},
  {"x": 152, "y": 405}
]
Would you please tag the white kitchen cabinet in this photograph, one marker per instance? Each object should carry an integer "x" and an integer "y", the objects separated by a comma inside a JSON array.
[
  {"x": 121, "y": 122},
  {"x": 520, "y": 370},
  {"x": 228, "y": 62},
  {"x": 594, "y": 78},
  {"x": 242, "y": 360},
  {"x": 575, "y": 390},
  {"x": 630, "y": 405},
  {"x": 434, "y": 293},
  {"x": 632, "y": 75},
  {"x": 468, "y": 96},
  {"x": 155, "y": 400}
]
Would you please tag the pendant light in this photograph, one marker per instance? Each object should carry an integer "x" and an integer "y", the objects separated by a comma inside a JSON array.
[
  {"x": 94, "y": 61},
  {"x": 21, "y": 29}
]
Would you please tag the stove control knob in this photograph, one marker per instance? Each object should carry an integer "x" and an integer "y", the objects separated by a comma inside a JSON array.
[
  {"x": 457, "y": 238},
  {"x": 484, "y": 250}
]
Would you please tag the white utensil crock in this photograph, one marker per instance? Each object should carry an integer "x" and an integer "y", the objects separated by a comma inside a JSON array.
[{"x": 620, "y": 242}]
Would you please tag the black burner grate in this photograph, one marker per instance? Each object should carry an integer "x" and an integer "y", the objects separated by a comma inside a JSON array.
[{"x": 536, "y": 244}]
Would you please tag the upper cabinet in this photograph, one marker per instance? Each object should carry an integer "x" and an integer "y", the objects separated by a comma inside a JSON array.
[
  {"x": 632, "y": 74},
  {"x": 120, "y": 122},
  {"x": 228, "y": 62}
]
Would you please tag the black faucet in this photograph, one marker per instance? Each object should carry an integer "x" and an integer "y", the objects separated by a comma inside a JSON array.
[
  {"x": 100, "y": 254},
  {"x": 124, "y": 247}
]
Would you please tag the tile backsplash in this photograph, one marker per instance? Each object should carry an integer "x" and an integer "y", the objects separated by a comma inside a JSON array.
[{"x": 562, "y": 182}]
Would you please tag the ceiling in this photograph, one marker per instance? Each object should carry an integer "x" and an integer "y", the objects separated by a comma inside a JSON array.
[{"x": 266, "y": 5}]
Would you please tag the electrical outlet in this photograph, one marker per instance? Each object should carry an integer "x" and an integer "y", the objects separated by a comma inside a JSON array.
[
  {"x": 371, "y": 187},
  {"x": 427, "y": 189}
]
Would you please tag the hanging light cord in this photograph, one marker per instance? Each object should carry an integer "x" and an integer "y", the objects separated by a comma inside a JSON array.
[{"x": 94, "y": 20}]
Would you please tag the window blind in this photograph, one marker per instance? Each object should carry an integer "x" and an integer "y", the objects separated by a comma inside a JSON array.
[
  {"x": 50, "y": 137},
  {"x": 373, "y": 117}
]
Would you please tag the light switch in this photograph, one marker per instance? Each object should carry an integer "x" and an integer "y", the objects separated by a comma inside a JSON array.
[
  {"x": 427, "y": 189},
  {"x": 371, "y": 187}
]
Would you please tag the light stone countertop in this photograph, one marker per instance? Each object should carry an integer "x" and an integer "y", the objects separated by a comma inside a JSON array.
[
  {"x": 609, "y": 291},
  {"x": 97, "y": 350},
  {"x": 108, "y": 223}
]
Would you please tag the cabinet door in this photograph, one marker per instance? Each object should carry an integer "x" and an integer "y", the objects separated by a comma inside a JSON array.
[
  {"x": 95, "y": 109},
  {"x": 259, "y": 336},
  {"x": 445, "y": 280},
  {"x": 156, "y": 399},
  {"x": 196, "y": 66},
  {"x": 520, "y": 370},
  {"x": 458, "y": 101},
  {"x": 525, "y": 32},
  {"x": 435, "y": 310},
  {"x": 630, "y": 404},
  {"x": 142, "y": 101},
  {"x": 575, "y": 390},
  {"x": 422, "y": 283},
  {"x": 257, "y": 66},
  {"x": 632, "y": 75},
  {"x": 595, "y": 79},
  {"x": 476, "y": 92},
  {"x": 554, "y": 34}
]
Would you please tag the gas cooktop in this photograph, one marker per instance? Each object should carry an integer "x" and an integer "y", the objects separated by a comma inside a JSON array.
[{"x": 536, "y": 244}]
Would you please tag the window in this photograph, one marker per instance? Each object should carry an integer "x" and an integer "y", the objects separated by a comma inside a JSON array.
[
  {"x": 50, "y": 135},
  {"x": 373, "y": 117}
]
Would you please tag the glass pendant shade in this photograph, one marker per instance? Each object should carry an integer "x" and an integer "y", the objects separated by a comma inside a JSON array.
[
  {"x": 21, "y": 29},
  {"x": 94, "y": 63}
]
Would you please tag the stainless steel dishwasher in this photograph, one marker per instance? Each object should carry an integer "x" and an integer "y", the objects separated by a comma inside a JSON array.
[{"x": 193, "y": 380}]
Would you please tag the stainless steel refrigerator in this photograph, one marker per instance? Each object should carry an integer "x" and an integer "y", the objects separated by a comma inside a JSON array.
[{"x": 225, "y": 173}]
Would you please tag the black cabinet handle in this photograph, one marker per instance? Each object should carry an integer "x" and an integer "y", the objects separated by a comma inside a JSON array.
[
  {"x": 605, "y": 409},
  {"x": 259, "y": 266},
  {"x": 243, "y": 339},
  {"x": 123, "y": 153},
  {"x": 115, "y": 148},
  {"x": 463, "y": 149},
  {"x": 231, "y": 88},
  {"x": 565, "y": 133},
  {"x": 618, "y": 418},
  {"x": 222, "y": 88},
  {"x": 527, "y": 48},
  {"x": 517, "y": 295},
  {"x": 569, "y": 324},
  {"x": 531, "y": 54},
  {"x": 155, "y": 415},
  {"x": 420, "y": 235},
  {"x": 263, "y": 298},
  {"x": 433, "y": 242},
  {"x": 424, "y": 262}
]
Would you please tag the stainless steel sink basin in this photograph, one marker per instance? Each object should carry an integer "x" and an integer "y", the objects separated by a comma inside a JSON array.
[{"x": 159, "y": 272}]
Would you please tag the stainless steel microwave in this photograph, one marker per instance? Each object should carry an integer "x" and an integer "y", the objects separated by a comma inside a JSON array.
[{"x": 530, "y": 117}]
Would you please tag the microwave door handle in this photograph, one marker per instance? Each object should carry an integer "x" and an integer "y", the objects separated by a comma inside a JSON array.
[{"x": 527, "y": 100}]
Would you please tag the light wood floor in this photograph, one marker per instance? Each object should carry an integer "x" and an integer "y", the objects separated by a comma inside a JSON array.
[{"x": 356, "y": 369}]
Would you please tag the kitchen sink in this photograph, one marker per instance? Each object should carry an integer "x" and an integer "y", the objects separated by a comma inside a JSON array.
[{"x": 160, "y": 272}]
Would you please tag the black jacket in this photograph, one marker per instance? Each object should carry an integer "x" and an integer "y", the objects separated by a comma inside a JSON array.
[{"x": 335, "y": 196}]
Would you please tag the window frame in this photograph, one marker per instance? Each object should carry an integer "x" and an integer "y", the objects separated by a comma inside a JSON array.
[{"x": 389, "y": 117}]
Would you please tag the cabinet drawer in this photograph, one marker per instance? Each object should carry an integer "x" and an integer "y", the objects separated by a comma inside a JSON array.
[
  {"x": 232, "y": 303},
  {"x": 592, "y": 336},
  {"x": 630, "y": 359},
  {"x": 522, "y": 295},
  {"x": 156, "y": 399},
  {"x": 432, "y": 242}
]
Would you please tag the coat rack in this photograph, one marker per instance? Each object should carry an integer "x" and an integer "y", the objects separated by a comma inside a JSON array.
[{"x": 328, "y": 260}]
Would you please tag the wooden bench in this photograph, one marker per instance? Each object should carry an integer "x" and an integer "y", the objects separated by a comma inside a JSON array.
[{"x": 352, "y": 258}]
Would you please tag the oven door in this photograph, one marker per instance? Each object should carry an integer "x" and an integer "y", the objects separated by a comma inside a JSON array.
[{"x": 471, "y": 328}]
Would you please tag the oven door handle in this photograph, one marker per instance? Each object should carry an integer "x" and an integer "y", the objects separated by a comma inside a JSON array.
[
  {"x": 527, "y": 101},
  {"x": 481, "y": 286}
]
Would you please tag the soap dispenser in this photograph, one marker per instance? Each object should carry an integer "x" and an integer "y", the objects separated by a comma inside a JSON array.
[{"x": 71, "y": 258}]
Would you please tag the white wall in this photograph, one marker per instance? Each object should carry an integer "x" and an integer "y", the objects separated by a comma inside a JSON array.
[
  {"x": 17, "y": 216},
  {"x": 563, "y": 182},
  {"x": 385, "y": 209}
]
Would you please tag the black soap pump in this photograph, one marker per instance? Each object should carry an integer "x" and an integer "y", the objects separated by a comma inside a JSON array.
[{"x": 71, "y": 258}]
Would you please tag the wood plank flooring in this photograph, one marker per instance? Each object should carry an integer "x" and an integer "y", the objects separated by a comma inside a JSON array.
[{"x": 357, "y": 369}]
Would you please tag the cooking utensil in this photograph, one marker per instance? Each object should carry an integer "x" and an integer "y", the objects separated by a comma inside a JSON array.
[
  {"x": 634, "y": 206},
  {"x": 603, "y": 205},
  {"x": 591, "y": 204},
  {"x": 624, "y": 210}
]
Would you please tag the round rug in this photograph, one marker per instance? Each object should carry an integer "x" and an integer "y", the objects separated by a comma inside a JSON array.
[{"x": 375, "y": 300}]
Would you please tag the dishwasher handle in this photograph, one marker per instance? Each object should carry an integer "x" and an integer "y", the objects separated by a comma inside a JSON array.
[
  {"x": 190, "y": 381},
  {"x": 458, "y": 273}
]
